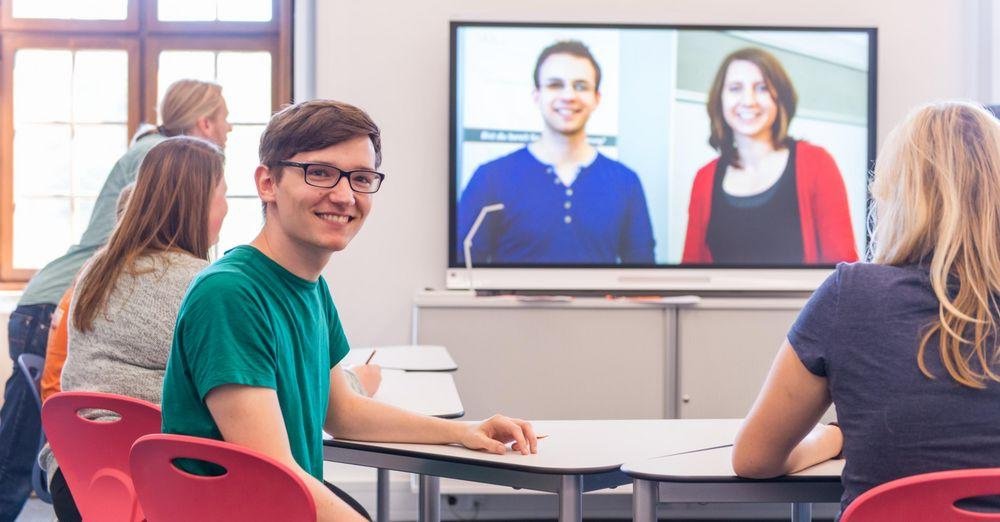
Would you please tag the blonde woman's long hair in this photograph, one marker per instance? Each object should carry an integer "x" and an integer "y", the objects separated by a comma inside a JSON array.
[
  {"x": 936, "y": 196},
  {"x": 184, "y": 102}
]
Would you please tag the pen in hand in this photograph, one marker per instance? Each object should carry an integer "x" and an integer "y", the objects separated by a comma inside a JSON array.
[{"x": 370, "y": 357}]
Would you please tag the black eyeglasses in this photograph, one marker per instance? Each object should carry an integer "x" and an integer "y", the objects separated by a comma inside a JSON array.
[{"x": 327, "y": 176}]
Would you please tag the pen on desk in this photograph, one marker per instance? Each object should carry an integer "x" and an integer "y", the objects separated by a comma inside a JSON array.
[{"x": 370, "y": 357}]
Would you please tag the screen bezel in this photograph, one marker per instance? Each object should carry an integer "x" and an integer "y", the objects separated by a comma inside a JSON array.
[{"x": 694, "y": 276}]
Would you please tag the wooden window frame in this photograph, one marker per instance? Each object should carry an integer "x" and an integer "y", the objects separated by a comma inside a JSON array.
[{"x": 142, "y": 37}]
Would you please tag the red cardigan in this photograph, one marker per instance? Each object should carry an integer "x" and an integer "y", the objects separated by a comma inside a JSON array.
[{"x": 827, "y": 236}]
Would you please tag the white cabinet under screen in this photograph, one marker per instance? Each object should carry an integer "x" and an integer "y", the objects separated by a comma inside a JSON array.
[
  {"x": 590, "y": 358},
  {"x": 725, "y": 349},
  {"x": 579, "y": 359}
]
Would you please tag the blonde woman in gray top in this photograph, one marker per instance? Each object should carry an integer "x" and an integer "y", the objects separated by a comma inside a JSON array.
[{"x": 904, "y": 347}]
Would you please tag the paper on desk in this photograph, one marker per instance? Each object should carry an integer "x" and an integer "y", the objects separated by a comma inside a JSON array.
[
  {"x": 428, "y": 393},
  {"x": 427, "y": 358}
]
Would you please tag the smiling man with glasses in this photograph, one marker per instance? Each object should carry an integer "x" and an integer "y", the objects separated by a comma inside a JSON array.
[
  {"x": 565, "y": 203},
  {"x": 258, "y": 339}
]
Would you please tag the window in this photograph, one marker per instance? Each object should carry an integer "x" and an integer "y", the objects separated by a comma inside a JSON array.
[{"x": 77, "y": 79}]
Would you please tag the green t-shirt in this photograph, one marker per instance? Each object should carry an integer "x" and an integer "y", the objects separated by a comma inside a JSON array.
[{"x": 246, "y": 320}]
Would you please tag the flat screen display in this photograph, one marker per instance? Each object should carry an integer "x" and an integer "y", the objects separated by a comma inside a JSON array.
[{"x": 589, "y": 146}]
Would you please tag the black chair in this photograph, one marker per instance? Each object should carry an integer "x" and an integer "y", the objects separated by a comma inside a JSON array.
[{"x": 31, "y": 367}]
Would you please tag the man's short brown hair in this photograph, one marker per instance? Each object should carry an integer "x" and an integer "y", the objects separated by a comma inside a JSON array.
[
  {"x": 574, "y": 48},
  {"x": 315, "y": 125}
]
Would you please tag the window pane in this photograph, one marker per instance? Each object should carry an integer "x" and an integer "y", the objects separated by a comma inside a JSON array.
[
  {"x": 186, "y": 10},
  {"x": 32, "y": 215},
  {"x": 96, "y": 148},
  {"x": 42, "y": 85},
  {"x": 246, "y": 84},
  {"x": 244, "y": 10},
  {"x": 179, "y": 65},
  {"x": 212, "y": 10},
  {"x": 242, "y": 223},
  {"x": 241, "y": 159},
  {"x": 59, "y": 162},
  {"x": 71, "y": 9},
  {"x": 100, "y": 86},
  {"x": 41, "y": 8},
  {"x": 41, "y": 159}
]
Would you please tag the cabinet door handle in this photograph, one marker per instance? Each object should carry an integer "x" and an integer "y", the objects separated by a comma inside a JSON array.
[{"x": 685, "y": 398}]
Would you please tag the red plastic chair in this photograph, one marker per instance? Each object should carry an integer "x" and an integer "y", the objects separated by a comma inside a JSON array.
[
  {"x": 927, "y": 497},
  {"x": 254, "y": 487},
  {"x": 93, "y": 455}
]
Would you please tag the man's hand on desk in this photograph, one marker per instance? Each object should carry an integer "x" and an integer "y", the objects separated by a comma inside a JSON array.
[{"x": 493, "y": 434}]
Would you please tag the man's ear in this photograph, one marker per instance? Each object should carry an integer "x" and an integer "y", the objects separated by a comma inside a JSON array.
[
  {"x": 534, "y": 96},
  {"x": 267, "y": 183}
]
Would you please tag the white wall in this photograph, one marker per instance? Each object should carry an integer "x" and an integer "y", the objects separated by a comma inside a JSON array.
[
  {"x": 988, "y": 65},
  {"x": 391, "y": 58}
]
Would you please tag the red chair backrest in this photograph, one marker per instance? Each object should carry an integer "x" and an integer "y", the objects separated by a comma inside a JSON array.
[
  {"x": 93, "y": 455},
  {"x": 926, "y": 497},
  {"x": 254, "y": 487}
]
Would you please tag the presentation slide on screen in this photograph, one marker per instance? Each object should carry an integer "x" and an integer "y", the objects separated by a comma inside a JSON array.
[{"x": 646, "y": 146}]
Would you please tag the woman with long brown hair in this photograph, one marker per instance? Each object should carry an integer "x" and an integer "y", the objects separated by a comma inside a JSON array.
[
  {"x": 189, "y": 107},
  {"x": 768, "y": 199},
  {"x": 905, "y": 347},
  {"x": 126, "y": 299}
]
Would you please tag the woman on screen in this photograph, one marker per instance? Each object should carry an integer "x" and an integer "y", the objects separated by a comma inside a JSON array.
[
  {"x": 905, "y": 347},
  {"x": 768, "y": 199}
]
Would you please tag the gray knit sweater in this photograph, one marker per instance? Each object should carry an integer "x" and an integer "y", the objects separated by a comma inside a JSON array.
[{"x": 126, "y": 351}]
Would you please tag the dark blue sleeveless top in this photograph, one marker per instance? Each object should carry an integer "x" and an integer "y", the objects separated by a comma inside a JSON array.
[{"x": 760, "y": 229}]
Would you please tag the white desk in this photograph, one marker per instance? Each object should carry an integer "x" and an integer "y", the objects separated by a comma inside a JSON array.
[
  {"x": 421, "y": 358},
  {"x": 428, "y": 393},
  {"x": 707, "y": 476},
  {"x": 577, "y": 456}
]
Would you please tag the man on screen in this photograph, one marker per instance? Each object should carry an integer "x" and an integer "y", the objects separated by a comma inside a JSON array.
[{"x": 564, "y": 202}]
